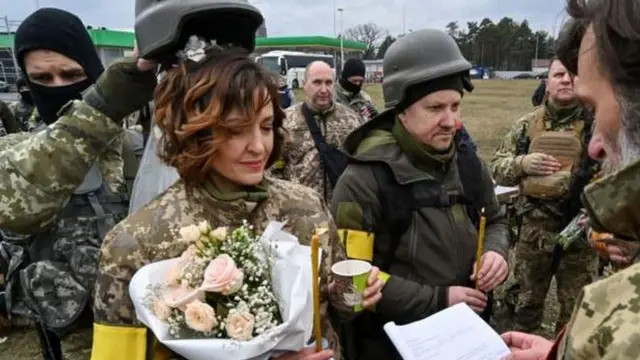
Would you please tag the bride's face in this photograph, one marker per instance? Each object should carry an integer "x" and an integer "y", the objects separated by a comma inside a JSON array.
[{"x": 243, "y": 157}]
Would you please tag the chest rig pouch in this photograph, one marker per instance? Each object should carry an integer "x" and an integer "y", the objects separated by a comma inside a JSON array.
[
  {"x": 566, "y": 147},
  {"x": 51, "y": 275}
]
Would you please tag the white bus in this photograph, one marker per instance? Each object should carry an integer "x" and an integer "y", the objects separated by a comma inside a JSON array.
[{"x": 291, "y": 64}]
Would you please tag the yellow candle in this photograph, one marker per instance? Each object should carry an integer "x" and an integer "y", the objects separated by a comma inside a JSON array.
[
  {"x": 483, "y": 223},
  {"x": 317, "y": 330}
]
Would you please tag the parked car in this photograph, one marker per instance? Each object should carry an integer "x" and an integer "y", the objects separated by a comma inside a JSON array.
[{"x": 524, "y": 76}]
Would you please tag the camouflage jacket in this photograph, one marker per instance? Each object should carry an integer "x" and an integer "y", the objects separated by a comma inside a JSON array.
[
  {"x": 23, "y": 113},
  {"x": 361, "y": 103},
  {"x": 605, "y": 323},
  {"x": 39, "y": 172},
  {"x": 110, "y": 163},
  {"x": 150, "y": 235},
  {"x": 506, "y": 162},
  {"x": 300, "y": 161}
]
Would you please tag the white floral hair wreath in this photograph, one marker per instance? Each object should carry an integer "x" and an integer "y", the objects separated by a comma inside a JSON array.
[{"x": 196, "y": 49}]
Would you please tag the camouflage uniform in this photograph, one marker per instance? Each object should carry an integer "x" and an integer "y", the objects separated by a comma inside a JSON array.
[
  {"x": 541, "y": 223},
  {"x": 149, "y": 236},
  {"x": 300, "y": 162},
  {"x": 110, "y": 163},
  {"x": 22, "y": 112},
  {"x": 605, "y": 322},
  {"x": 43, "y": 172},
  {"x": 361, "y": 103},
  {"x": 39, "y": 175}
]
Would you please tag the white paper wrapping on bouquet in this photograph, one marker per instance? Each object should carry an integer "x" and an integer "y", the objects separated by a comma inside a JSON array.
[{"x": 291, "y": 275}]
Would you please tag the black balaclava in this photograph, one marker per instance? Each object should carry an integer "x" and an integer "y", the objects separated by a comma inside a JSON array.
[
  {"x": 24, "y": 91},
  {"x": 60, "y": 31},
  {"x": 352, "y": 67}
]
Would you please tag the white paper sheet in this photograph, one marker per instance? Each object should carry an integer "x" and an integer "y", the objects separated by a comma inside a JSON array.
[
  {"x": 501, "y": 190},
  {"x": 456, "y": 333}
]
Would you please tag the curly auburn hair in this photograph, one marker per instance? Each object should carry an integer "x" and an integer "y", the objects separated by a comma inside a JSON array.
[{"x": 193, "y": 102}]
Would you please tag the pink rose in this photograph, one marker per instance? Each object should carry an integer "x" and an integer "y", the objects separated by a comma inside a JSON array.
[
  {"x": 240, "y": 325},
  {"x": 175, "y": 271},
  {"x": 200, "y": 316},
  {"x": 160, "y": 309},
  {"x": 179, "y": 296},
  {"x": 222, "y": 276}
]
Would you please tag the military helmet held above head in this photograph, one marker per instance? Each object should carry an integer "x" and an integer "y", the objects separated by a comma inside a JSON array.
[
  {"x": 418, "y": 57},
  {"x": 163, "y": 26}
]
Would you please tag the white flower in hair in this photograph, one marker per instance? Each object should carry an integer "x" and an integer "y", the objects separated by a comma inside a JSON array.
[{"x": 195, "y": 49}]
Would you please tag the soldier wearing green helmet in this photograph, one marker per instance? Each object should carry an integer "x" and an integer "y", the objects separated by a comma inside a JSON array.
[{"x": 412, "y": 194}]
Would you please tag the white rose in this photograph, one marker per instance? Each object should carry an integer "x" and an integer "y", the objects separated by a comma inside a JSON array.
[
  {"x": 240, "y": 325},
  {"x": 220, "y": 233},
  {"x": 190, "y": 234},
  {"x": 204, "y": 226}
]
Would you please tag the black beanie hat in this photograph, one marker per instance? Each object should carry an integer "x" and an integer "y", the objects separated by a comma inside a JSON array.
[
  {"x": 457, "y": 82},
  {"x": 62, "y": 32},
  {"x": 353, "y": 67}
]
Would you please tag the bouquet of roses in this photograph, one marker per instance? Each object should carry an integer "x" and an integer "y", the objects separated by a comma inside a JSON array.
[{"x": 230, "y": 295}]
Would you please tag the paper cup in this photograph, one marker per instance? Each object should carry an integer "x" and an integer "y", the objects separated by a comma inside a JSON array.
[{"x": 350, "y": 278}]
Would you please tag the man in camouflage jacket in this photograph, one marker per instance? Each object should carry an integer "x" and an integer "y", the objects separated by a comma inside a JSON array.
[
  {"x": 604, "y": 324},
  {"x": 534, "y": 168},
  {"x": 300, "y": 160}
]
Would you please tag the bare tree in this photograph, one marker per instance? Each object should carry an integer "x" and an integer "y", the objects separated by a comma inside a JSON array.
[{"x": 370, "y": 34}]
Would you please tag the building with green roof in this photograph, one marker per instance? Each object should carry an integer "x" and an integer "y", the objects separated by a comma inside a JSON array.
[{"x": 114, "y": 44}]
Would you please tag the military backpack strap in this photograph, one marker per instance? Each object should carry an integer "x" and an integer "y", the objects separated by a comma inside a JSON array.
[
  {"x": 332, "y": 160},
  {"x": 396, "y": 205},
  {"x": 470, "y": 173},
  {"x": 130, "y": 158}
]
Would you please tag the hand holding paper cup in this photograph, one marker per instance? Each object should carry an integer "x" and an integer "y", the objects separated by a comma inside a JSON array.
[{"x": 350, "y": 281}]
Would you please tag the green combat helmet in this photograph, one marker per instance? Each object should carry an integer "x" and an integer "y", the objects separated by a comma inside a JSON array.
[
  {"x": 163, "y": 26},
  {"x": 418, "y": 57}
]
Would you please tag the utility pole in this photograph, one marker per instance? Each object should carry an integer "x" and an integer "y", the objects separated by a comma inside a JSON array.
[
  {"x": 537, "y": 39},
  {"x": 341, "y": 38},
  {"x": 37, "y": 4},
  {"x": 335, "y": 14},
  {"x": 404, "y": 17}
]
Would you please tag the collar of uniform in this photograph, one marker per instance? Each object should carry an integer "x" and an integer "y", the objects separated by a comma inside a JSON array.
[
  {"x": 561, "y": 114},
  {"x": 321, "y": 113},
  {"x": 612, "y": 203},
  {"x": 250, "y": 194},
  {"x": 420, "y": 155}
]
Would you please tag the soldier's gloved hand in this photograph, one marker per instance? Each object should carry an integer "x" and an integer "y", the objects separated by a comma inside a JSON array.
[
  {"x": 539, "y": 164},
  {"x": 124, "y": 87}
]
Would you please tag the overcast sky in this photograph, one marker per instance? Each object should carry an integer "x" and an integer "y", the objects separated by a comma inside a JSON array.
[{"x": 315, "y": 17}]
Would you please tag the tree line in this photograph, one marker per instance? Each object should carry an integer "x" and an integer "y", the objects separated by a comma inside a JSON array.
[{"x": 502, "y": 45}]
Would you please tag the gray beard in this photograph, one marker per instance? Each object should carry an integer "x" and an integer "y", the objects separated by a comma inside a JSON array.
[{"x": 628, "y": 147}]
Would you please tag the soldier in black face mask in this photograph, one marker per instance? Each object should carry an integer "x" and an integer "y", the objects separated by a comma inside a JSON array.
[
  {"x": 58, "y": 59},
  {"x": 349, "y": 90},
  {"x": 23, "y": 109}
]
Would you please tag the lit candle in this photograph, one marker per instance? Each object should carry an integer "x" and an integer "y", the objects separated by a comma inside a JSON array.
[
  {"x": 317, "y": 331},
  {"x": 483, "y": 222}
]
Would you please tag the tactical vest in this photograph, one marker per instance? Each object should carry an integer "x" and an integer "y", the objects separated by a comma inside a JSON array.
[
  {"x": 566, "y": 146},
  {"x": 50, "y": 276},
  {"x": 398, "y": 202}
]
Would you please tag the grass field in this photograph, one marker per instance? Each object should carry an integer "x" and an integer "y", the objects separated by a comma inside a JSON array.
[{"x": 488, "y": 113}]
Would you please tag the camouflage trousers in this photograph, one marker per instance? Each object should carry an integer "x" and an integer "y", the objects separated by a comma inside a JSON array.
[{"x": 533, "y": 272}]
